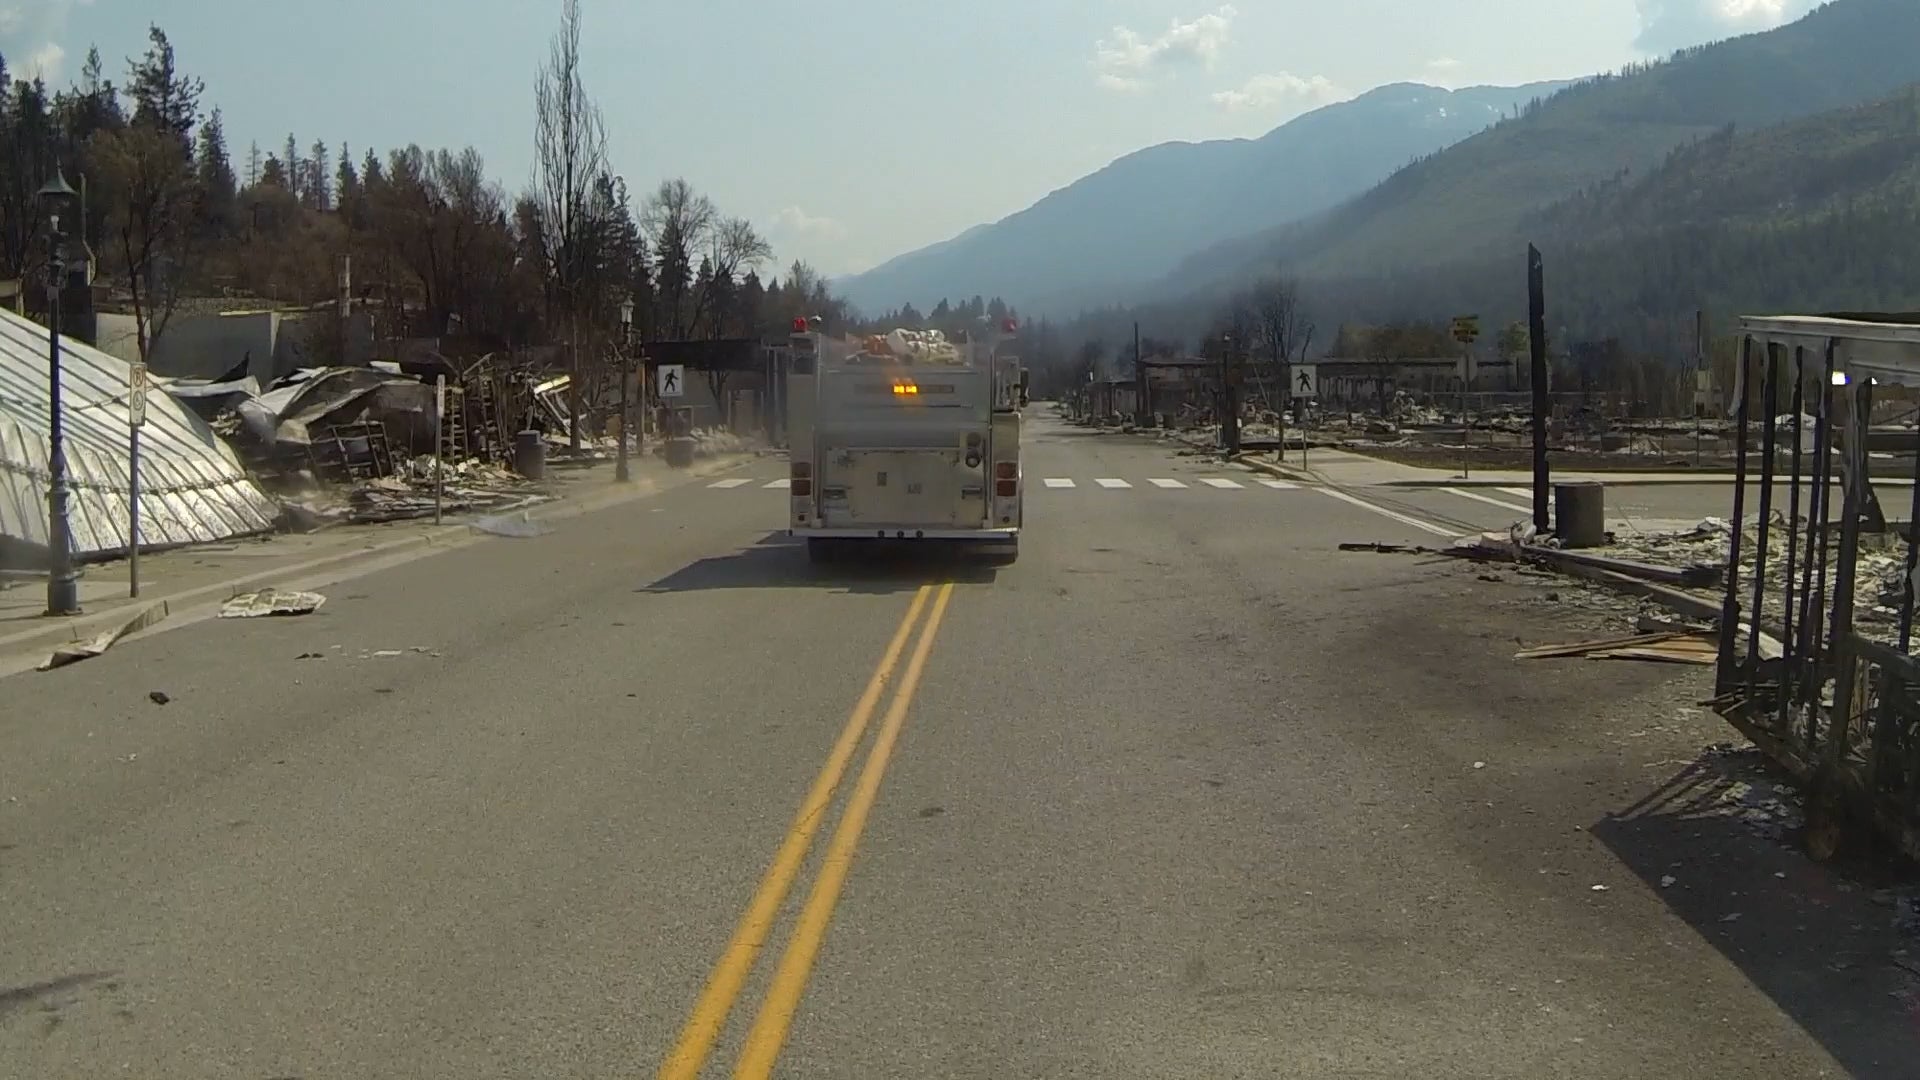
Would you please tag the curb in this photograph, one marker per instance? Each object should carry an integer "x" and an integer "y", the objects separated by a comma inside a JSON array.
[
  {"x": 1677, "y": 481},
  {"x": 1284, "y": 472},
  {"x": 446, "y": 537}
]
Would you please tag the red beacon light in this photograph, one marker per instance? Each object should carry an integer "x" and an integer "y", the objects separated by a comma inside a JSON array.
[
  {"x": 1011, "y": 326},
  {"x": 799, "y": 324}
]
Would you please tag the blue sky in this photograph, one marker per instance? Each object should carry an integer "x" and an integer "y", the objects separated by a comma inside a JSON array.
[{"x": 849, "y": 130}]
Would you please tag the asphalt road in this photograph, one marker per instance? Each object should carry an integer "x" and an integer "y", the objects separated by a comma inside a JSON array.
[{"x": 1185, "y": 792}]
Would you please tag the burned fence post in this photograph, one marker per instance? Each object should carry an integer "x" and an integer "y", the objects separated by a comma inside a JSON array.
[
  {"x": 1913, "y": 558},
  {"x": 1730, "y": 604},
  {"x": 1763, "y": 527},
  {"x": 1789, "y": 659},
  {"x": 1813, "y": 624},
  {"x": 1853, "y": 482}
]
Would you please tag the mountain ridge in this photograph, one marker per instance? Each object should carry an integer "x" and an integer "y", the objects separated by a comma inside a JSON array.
[
  {"x": 1176, "y": 197},
  {"x": 1478, "y": 195}
]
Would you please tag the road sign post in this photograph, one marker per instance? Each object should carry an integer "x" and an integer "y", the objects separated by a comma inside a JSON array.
[
  {"x": 439, "y": 440},
  {"x": 1466, "y": 330},
  {"x": 136, "y": 419},
  {"x": 1303, "y": 383}
]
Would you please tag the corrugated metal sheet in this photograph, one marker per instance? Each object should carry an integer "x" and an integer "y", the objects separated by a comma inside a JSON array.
[{"x": 193, "y": 488}]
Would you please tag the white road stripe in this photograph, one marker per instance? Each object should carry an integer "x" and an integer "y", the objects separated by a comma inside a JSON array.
[
  {"x": 1162, "y": 482},
  {"x": 783, "y": 482},
  {"x": 1525, "y": 493},
  {"x": 1109, "y": 482},
  {"x": 1477, "y": 497},
  {"x": 733, "y": 483},
  {"x": 1219, "y": 482},
  {"x": 1280, "y": 485},
  {"x": 1058, "y": 482},
  {"x": 1386, "y": 513}
]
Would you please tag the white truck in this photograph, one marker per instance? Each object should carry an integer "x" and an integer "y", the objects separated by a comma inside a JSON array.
[{"x": 905, "y": 436}]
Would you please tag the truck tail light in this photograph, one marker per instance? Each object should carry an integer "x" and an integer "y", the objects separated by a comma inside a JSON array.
[
  {"x": 1006, "y": 489},
  {"x": 801, "y": 489},
  {"x": 1006, "y": 470}
]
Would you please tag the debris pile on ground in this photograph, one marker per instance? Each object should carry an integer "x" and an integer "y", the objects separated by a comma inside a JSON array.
[
  {"x": 271, "y": 602},
  {"x": 1690, "y": 562},
  {"x": 1768, "y": 807},
  {"x": 409, "y": 495}
]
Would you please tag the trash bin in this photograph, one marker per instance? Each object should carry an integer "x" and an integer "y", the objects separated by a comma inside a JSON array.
[
  {"x": 530, "y": 455},
  {"x": 679, "y": 452}
]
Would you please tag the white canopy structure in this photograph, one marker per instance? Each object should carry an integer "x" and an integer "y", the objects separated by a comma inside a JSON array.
[{"x": 193, "y": 488}]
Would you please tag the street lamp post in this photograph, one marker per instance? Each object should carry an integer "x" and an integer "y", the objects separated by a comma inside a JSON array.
[
  {"x": 621, "y": 471},
  {"x": 63, "y": 586}
]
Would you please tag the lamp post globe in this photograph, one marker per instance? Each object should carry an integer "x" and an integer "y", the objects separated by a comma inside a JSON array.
[{"x": 63, "y": 586}]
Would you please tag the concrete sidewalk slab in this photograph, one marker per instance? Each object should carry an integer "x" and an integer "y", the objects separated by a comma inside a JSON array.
[
  {"x": 191, "y": 579},
  {"x": 1344, "y": 468}
]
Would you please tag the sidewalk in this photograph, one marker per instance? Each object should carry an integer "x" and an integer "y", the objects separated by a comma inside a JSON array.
[
  {"x": 1344, "y": 468},
  {"x": 207, "y": 574}
]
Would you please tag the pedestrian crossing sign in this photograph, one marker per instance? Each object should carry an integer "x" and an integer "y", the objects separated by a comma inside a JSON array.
[
  {"x": 671, "y": 380},
  {"x": 1304, "y": 382}
]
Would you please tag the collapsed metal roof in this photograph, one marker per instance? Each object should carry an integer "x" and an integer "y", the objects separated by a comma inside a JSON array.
[{"x": 193, "y": 488}]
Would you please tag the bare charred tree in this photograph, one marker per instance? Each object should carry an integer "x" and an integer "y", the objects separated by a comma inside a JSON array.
[
  {"x": 1282, "y": 334},
  {"x": 570, "y": 156},
  {"x": 152, "y": 196},
  {"x": 678, "y": 222}
]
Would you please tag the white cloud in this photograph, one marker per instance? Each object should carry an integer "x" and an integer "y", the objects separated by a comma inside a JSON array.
[
  {"x": 1294, "y": 92},
  {"x": 1127, "y": 60},
  {"x": 794, "y": 220},
  {"x": 34, "y": 31},
  {"x": 44, "y": 62},
  {"x": 1666, "y": 25}
]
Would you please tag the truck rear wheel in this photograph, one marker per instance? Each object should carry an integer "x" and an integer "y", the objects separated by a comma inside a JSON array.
[{"x": 1005, "y": 554}]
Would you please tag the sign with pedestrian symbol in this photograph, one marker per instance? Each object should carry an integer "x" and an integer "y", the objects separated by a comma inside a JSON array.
[
  {"x": 1306, "y": 381},
  {"x": 671, "y": 379}
]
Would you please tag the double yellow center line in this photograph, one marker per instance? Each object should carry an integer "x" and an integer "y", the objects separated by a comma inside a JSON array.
[{"x": 775, "y": 1019}]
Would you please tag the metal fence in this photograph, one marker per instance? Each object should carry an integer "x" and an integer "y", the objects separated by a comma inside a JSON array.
[{"x": 1834, "y": 701}]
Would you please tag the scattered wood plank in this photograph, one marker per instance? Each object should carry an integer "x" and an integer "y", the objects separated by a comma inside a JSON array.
[
  {"x": 1583, "y": 648},
  {"x": 1673, "y": 647}
]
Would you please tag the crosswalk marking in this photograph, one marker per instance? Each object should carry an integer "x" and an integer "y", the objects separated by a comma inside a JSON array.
[
  {"x": 1110, "y": 482},
  {"x": 1525, "y": 493},
  {"x": 733, "y": 483},
  {"x": 1280, "y": 485},
  {"x": 1163, "y": 482},
  {"x": 1218, "y": 482},
  {"x": 1490, "y": 501},
  {"x": 1059, "y": 482},
  {"x": 783, "y": 482}
]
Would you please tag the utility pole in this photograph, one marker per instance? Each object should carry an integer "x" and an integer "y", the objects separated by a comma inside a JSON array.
[
  {"x": 63, "y": 585},
  {"x": 1700, "y": 364},
  {"x": 1142, "y": 414},
  {"x": 1230, "y": 396},
  {"x": 1537, "y": 340},
  {"x": 622, "y": 472}
]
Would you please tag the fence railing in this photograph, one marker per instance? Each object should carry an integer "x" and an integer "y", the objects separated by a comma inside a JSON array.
[{"x": 1832, "y": 697}]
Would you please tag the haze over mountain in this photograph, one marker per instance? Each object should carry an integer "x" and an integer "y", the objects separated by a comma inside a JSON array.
[{"x": 1131, "y": 222}]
